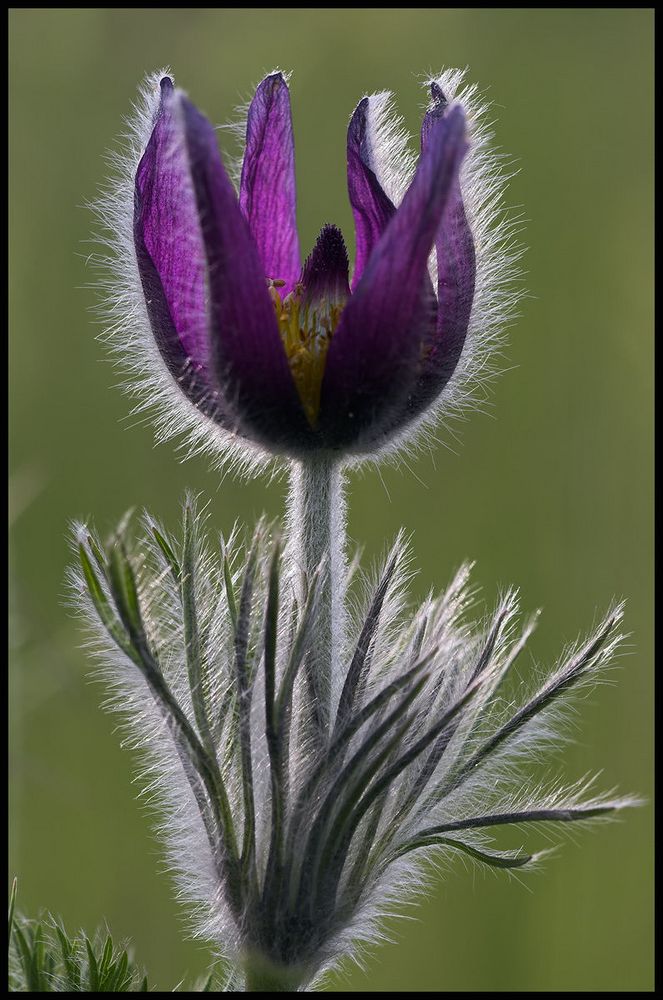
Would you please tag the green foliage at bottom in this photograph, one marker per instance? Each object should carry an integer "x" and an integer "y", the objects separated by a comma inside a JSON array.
[{"x": 45, "y": 958}]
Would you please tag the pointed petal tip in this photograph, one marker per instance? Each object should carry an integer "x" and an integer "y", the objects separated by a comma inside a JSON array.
[
  {"x": 359, "y": 117},
  {"x": 275, "y": 81},
  {"x": 166, "y": 84},
  {"x": 361, "y": 109},
  {"x": 438, "y": 97},
  {"x": 357, "y": 127}
]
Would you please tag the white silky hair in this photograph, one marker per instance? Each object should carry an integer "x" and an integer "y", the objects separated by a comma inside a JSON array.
[
  {"x": 156, "y": 393},
  {"x": 442, "y": 628}
]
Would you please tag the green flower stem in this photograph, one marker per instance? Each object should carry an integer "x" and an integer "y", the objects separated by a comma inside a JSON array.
[{"x": 317, "y": 532}]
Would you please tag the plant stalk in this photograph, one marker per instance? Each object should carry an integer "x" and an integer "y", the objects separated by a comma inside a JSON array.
[{"x": 316, "y": 521}]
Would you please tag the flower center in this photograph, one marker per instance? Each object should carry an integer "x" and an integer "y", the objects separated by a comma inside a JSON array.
[{"x": 306, "y": 329}]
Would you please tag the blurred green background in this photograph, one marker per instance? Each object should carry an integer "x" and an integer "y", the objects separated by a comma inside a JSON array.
[{"x": 552, "y": 491}]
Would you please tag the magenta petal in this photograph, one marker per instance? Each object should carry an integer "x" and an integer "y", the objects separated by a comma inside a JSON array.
[
  {"x": 247, "y": 353},
  {"x": 456, "y": 274},
  {"x": 170, "y": 256},
  {"x": 375, "y": 354},
  {"x": 371, "y": 208},
  {"x": 267, "y": 191}
]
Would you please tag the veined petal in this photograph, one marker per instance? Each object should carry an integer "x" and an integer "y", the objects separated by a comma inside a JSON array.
[
  {"x": 456, "y": 273},
  {"x": 371, "y": 208},
  {"x": 375, "y": 353},
  {"x": 171, "y": 257},
  {"x": 267, "y": 188},
  {"x": 246, "y": 350}
]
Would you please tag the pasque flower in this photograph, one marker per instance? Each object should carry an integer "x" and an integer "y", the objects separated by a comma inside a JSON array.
[
  {"x": 236, "y": 338},
  {"x": 312, "y": 743},
  {"x": 293, "y": 357}
]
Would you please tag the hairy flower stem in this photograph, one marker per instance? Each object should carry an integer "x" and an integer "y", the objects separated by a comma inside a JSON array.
[{"x": 316, "y": 523}]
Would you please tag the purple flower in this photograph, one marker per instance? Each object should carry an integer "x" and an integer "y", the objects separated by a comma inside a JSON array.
[{"x": 298, "y": 358}]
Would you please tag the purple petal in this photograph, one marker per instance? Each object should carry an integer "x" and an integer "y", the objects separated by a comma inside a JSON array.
[
  {"x": 374, "y": 356},
  {"x": 247, "y": 353},
  {"x": 267, "y": 190},
  {"x": 371, "y": 207},
  {"x": 170, "y": 255},
  {"x": 456, "y": 273}
]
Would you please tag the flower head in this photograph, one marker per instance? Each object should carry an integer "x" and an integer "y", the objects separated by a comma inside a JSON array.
[{"x": 247, "y": 342}]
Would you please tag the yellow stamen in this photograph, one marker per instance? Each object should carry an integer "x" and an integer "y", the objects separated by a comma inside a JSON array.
[{"x": 306, "y": 330}]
